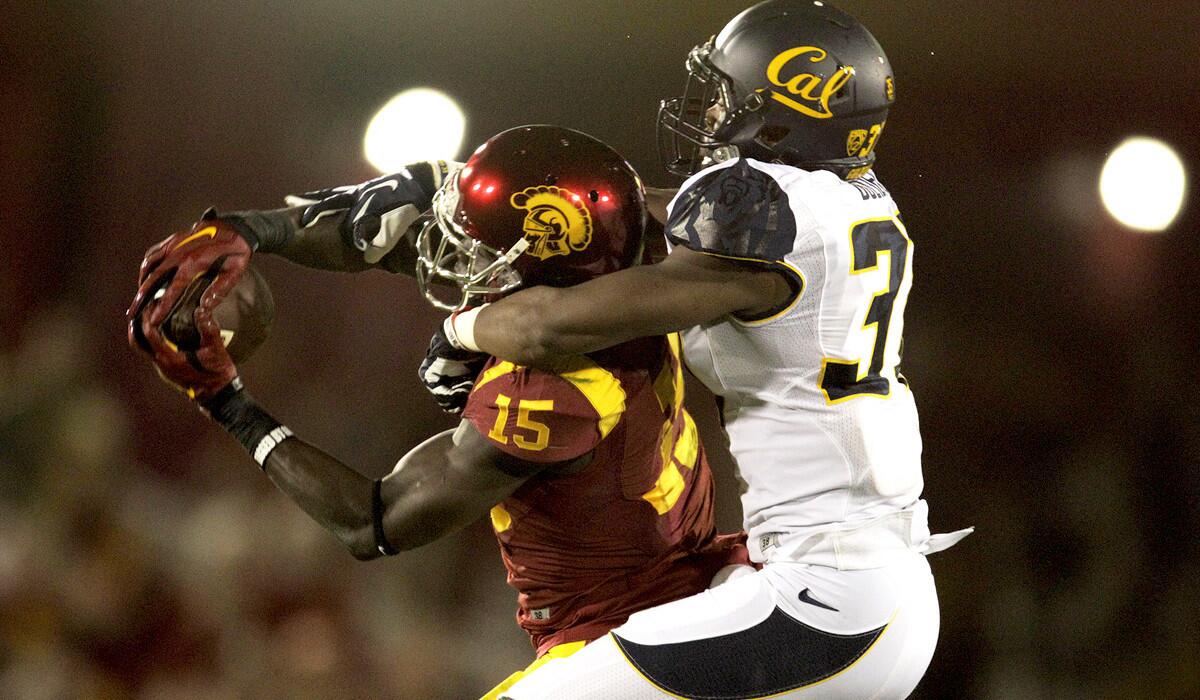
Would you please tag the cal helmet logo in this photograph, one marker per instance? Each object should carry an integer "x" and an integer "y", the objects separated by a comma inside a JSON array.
[
  {"x": 813, "y": 90},
  {"x": 556, "y": 220},
  {"x": 855, "y": 142}
]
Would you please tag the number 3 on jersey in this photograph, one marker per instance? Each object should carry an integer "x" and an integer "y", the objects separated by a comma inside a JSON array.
[
  {"x": 541, "y": 431},
  {"x": 841, "y": 380}
]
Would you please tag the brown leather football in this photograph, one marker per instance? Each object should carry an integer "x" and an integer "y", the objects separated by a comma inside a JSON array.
[{"x": 244, "y": 316}]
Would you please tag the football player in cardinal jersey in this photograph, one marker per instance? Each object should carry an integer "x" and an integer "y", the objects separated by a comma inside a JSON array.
[{"x": 595, "y": 479}]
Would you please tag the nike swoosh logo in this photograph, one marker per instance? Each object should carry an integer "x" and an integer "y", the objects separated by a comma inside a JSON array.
[
  {"x": 363, "y": 211},
  {"x": 210, "y": 231},
  {"x": 390, "y": 184},
  {"x": 806, "y": 597}
]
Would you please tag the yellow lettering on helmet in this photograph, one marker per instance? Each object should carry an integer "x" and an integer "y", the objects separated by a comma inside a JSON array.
[{"x": 810, "y": 87}]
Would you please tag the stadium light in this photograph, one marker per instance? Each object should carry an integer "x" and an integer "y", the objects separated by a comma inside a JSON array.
[
  {"x": 1142, "y": 184},
  {"x": 417, "y": 124}
]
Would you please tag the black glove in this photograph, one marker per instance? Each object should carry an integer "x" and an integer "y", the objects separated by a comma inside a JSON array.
[
  {"x": 449, "y": 373},
  {"x": 377, "y": 212}
]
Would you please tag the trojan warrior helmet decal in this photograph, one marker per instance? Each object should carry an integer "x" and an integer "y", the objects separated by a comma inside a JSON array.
[
  {"x": 556, "y": 222},
  {"x": 535, "y": 205}
]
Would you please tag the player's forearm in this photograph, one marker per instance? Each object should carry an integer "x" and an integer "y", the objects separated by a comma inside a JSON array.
[
  {"x": 428, "y": 496},
  {"x": 319, "y": 245},
  {"x": 337, "y": 497},
  {"x": 536, "y": 325},
  {"x": 419, "y": 500},
  {"x": 437, "y": 488}
]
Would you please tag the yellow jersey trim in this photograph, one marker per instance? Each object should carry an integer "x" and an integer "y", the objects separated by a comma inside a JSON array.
[
  {"x": 600, "y": 387},
  {"x": 669, "y": 485},
  {"x": 664, "y": 389},
  {"x": 501, "y": 520},
  {"x": 495, "y": 372}
]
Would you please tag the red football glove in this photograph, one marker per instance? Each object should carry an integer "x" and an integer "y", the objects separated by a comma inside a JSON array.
[
  {"x": 212, "y": 247},
  {"x": 201, "y": 373},
  {"x": 175, "y": 262}
]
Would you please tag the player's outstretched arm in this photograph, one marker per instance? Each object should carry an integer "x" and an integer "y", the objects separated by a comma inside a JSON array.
[
  {"x": 323, "y": 244},
  {"x": 439, "y": 487},
  {"x": 372, "y": 224},
  {"x": 320, "y": 245},
  {"x": 538, "y": 324},
  {"x": 347, "y": 229}
]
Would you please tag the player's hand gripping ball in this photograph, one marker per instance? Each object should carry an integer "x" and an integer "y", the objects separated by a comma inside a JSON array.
[
  {"x": 244, "y": 316},
  {"x": 212, "y": 245},
  {"x": 179, "y": 317}
]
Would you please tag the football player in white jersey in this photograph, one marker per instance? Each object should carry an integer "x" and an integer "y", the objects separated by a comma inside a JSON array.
[{"x": 789, "y": 273}]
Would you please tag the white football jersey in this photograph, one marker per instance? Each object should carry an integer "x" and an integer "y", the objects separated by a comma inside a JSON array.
[{"x": 821, "y": 421}]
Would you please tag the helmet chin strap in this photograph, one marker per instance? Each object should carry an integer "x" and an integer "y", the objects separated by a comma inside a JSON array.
[
  {"x": 515, "y": 252},
  {"x": 478, "y": 283},
  {"x": 720, "y": 154}
]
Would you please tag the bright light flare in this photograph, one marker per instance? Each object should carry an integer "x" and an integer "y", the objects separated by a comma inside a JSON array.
[
  {"x": 417, "y": 124},
  {"x": 1142, "y": 184}
]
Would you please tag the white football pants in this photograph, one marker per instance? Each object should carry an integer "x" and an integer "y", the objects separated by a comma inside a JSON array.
[{"x": 787, "y": 631}]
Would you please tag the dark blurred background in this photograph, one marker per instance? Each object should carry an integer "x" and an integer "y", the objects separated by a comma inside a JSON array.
[{"x": 1052, "y": 350}]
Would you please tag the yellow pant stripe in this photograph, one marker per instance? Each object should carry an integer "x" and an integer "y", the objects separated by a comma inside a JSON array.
[{"x": 560, "y": 651}]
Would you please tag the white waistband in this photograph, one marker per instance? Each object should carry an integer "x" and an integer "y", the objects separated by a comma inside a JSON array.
[{"x": 870, "y": 545}]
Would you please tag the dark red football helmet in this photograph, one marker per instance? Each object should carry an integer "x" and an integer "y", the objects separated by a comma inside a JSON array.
[{"x": 534, "y": 205}]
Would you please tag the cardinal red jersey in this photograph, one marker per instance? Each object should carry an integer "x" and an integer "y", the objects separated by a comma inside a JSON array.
[{"x": 632, "y": 529}]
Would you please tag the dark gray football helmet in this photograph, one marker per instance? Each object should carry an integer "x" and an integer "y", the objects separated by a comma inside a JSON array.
[{"x": 793, "y": 81}]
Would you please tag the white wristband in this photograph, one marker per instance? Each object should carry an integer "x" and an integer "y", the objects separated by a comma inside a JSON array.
[
  {"x": 460, "y": 329},
  {"x": 269, "y": 442}
]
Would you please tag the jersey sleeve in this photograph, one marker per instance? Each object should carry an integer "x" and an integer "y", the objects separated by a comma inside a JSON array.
[
  {"x": 735, "y": 211},
  {"x": 543, "y": 416}
]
